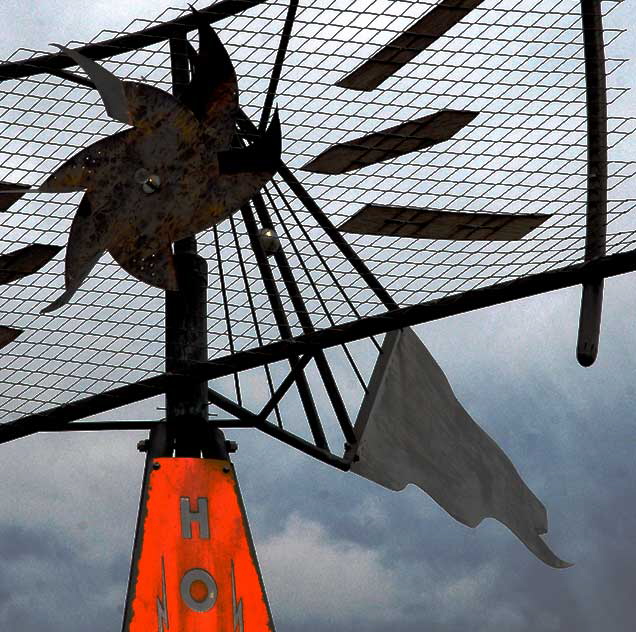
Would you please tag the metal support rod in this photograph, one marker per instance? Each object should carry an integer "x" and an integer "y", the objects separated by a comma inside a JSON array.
[
  {"x": 304, "y": 318},
  {"x": 226, "y": 308},
  {"x": 186, "y": 343},
  {"x": 284, "y": 387},
  {"x": 278, "y": 64},
  {"x": 283, "y": 326},
  {"x": 596, "y": 225},
  {"x": 249, "y": 419},
  {"x": 91, "y": 426},
  {"x": 186, "y": 325},
  {"x": 129, "y": 426},
  {"x": 304, "y": 446},
  {"x": 248, "y": 128},
  {"x": 226, "y": 404},
  {"x": 252, "y": 306},
  {"x": 130, "y": 42}
]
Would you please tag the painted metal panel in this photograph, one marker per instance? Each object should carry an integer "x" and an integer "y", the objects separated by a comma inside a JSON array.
[
  {"x": 391, "y": 143},
  {"x": 197, "y": 569},
  {"x": 404, "y": 48},
  {"x": 427, "y": 223}
]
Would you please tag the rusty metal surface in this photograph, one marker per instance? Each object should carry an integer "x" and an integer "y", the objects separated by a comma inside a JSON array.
[
  {"x": 212, "y": 94},
  {"x": 122, "y": 216},
  {"x": 20, "y": 263},
  {"x": 391, "y": 143},
  {"x": 160, "y": 182},
  {"x": 404, "y": 48},
  {"x": 426, "y": 223},
  {"x": 157, "y": 268}
]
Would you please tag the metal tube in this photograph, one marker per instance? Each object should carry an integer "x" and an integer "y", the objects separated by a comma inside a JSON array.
[
  {"x": 186, "y": 339},
  {"x": 596, "y": 225}
]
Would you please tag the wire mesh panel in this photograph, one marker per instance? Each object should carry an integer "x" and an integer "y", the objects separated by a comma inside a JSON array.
[{"x": 520, "y": 69}]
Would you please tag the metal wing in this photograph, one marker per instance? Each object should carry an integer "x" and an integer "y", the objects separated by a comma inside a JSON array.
[
  {"x": 391, "y": 143},
  {"x": 404, "y": 48}
]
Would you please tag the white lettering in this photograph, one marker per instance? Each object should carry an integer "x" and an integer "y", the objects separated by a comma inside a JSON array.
[{"x": 199, "y": 515}]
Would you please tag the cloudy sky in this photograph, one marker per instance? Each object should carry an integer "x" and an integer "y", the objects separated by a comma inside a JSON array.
[{"x": 336, "y": 551}]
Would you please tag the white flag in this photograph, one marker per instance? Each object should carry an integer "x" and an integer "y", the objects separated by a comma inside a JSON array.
[{"x": 412, "y": 429}]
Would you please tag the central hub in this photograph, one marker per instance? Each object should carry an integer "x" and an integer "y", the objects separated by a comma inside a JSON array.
[{"x": 150, "y": 182}]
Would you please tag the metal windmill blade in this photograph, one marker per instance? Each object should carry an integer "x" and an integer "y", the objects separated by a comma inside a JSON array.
[
  {"x": 232, "y": 281},
  {"x": 403, "y": 49}
]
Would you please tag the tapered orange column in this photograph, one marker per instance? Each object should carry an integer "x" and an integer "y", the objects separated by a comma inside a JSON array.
[{"x": 197, "y": 569}]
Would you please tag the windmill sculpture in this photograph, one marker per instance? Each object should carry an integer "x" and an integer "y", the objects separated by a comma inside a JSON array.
[{"x": 193, "y": 159}]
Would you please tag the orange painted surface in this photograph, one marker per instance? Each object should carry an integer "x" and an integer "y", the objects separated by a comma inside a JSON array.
[{"x": 224, "y": 562}]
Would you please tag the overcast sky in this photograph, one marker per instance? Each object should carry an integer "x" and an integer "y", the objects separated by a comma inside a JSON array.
[{"x": 336, "y": 551}]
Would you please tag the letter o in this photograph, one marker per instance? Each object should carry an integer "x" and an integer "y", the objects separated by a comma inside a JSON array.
[{"x": 198, "y": 575}]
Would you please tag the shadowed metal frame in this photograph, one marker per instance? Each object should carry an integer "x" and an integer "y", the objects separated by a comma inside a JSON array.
[{"x": 313, "y": 343}]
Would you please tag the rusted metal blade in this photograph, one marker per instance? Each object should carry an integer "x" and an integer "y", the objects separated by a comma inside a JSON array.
[
  {"x": 147, "y": 188},
  {"x": 213, "y": 91},
  {"x": 8, "y": 335},
  {"x": 427, "y": 223},
  {"x": 391, "y": 143},
  {"x": 86, "y": 244},
  {"x": 130, "y": 102},
  {"x": 82, "y": 170},
  {"x": 11, "y": 193},
  {"x": 110, "y": 88},
  {"x": 118, "y": 159},
  {"x": 20, "y": 263},
  {"x": 150, "y": 107},
  {"x": 157, "y": 269},
  {"x": 404, "y": 48}
]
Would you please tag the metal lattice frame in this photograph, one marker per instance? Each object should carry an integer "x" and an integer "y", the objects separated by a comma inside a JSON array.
[{"x": 523, "y": 70}]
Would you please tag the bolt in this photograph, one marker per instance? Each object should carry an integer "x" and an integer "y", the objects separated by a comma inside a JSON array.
[
  {"x": 226, "y": 469},
  {"x": 156, "y": 466}
]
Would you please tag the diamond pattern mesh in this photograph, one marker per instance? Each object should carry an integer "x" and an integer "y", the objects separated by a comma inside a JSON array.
[{"x": 522, "y": 70}]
